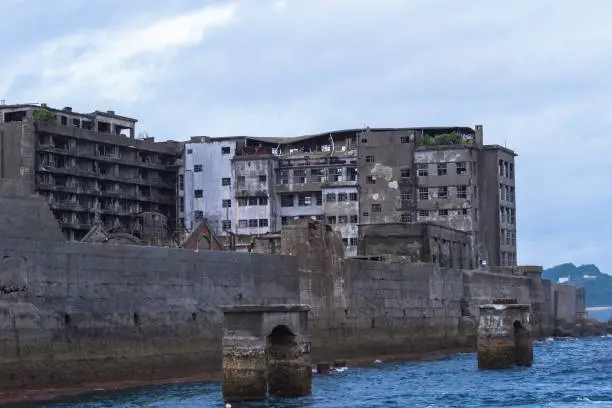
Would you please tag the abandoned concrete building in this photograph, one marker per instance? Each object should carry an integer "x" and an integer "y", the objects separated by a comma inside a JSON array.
[
  {"x": 92, "y": 169},
  {"x": 250, "y": 186}
]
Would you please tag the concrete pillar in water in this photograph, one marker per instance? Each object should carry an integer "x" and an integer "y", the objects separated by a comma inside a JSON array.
[
  {"x": 266, "y": 349},
  {"x": 504, "y": 336}
]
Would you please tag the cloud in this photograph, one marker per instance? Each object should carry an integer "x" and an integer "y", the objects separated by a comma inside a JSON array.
[{"x": 112, "y": 63}]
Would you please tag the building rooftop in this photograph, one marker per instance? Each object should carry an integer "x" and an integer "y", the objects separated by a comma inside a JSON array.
[{"x": 67, "y": 109}]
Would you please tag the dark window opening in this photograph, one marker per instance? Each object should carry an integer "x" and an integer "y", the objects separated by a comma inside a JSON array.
[{"x": 225, "y": 150}]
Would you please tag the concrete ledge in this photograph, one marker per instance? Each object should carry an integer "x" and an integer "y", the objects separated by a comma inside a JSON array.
[{"x": 265, "y": 308}]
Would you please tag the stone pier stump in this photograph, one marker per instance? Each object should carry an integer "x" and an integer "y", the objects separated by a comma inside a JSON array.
[
  {"x": 504, "y": 336},
  {"x": 244, "y": 369},
  {"x": 266, "y": 350}
]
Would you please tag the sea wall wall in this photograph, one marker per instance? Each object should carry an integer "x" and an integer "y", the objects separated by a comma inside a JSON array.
[{"x": 74, "y": 313}]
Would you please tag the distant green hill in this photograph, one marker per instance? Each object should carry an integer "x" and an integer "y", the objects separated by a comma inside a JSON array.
[{"x": 597, "y": 285}]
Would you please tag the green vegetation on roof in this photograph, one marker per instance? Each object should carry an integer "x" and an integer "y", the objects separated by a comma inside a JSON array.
[
  {"x": 444, "y": 139},
  {"x": 43, "y": 114}
]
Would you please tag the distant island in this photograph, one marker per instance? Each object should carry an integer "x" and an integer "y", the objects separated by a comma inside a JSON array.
[{"x": 597, "y": 285}]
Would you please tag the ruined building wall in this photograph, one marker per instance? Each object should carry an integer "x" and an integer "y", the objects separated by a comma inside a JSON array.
[{"x": 73, "y": 313}]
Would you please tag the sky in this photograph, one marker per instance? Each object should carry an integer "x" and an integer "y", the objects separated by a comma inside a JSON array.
[{"x": 535, "y": 74}]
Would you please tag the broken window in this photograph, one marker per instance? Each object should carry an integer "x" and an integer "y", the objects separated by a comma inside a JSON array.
[
  {"x": 331, "y": 219},
  {"x": 405, "y": 195},
  {"x": 76, "y": 123},
  {"x": 226, "y": 181},
  {"x": 226, "y": 203},
  {"x": 284, "y": 220},
  {"x": 423, "y": 213},
  {"x": 423, "y": 193},
  {"x": 463, "y": 211},
  {"x": 405, "y": 172},
  {"x": 345, "y": 241},
  {"x": 199, "y": 214},
  {"x": 461, "y": 168},
  {"x": 422, "y": 170},
  {"x": 342, "y": 197},
  {"x": 405, "y": 217},
  {"x": 284, "y": 176},
  {"x": 242, "y": 223},
  {"x": 198, "y": 193},
  {"x": 253, "y": 223},
  {"x": 506, "y": 173},
  {"x": 241, "y": 182},
  {"x": 370, "y": 180},
  {"x": 441, "y": 169},
  {"x": 263, "y": 200},
  {"x": 443, "y": 213},
  {"x": 461, "y": 191},
  {"x": 343, "y": 219},
  {"x": 316, "y": 175},
  {"x": 299, "y": 176},
  {"x": 353, "y": 196},
  {"x": 181, "y": 182},
  {"x": 103, "y": 127},
  {"x": 287, "y": 200},
  {"x": 330, "y": 197},
  {"x": 319, "y": 198},
  {"x": 304, "y": 200},
  {"x": 263, "y": 222},
  {"x": 353, "y": 241},
  {"x": 369, "y": 159},
  {"x": 404, "y": 139},
  {"x": 354, "y": 219},
  {"x": 511, "y": 194},
  {"x": 335, "y": 174},
  {"x": 511, "y": 175},
  {"x": 86, "y": 124},
  {"x": 242, "y": 202},
  {"x": 63, "y": 120},
  {"x": 225, "y": 150},
  {"x": 226, "y": 225},
  {"x": 252, "y": 200},
  {"x": 351, "y": 173},
  {"x": 263, "y": 178},
  {"x": 500, "y": 166},
  {"x": 320, "y": 217},
  {"x": 443, "y": 192},
  {"x": 376, "y": 208}
]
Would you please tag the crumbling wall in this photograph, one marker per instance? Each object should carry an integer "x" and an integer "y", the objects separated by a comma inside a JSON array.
[{"x": 392, "y": 309}]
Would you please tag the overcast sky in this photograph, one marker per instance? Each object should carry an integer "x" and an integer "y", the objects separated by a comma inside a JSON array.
[{"x": 535, "y": 73}]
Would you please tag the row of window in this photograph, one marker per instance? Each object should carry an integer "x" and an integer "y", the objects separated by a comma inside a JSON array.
[
  {"x": 308, "y": 199},
  {"x": 506, "y": 193},
  {"x": 340, "y": 219},
  {"x": 422, "y": 214},
  {"x": 508, "y": 259},
  {"x": 507, "y": 237},
  {"x": 301, "y": 176},
  {"x": 349, "y": 242},
  {"x": 403, "y": 139},
  {"x": 506, "y": 169},
  {"x": 442, "y": 168},
  {"x": 507, "y": 215},
  {"x": 224, "y": 150},
  {"x": 425, "y": 193},
  {"x": 253, "y": 223}
]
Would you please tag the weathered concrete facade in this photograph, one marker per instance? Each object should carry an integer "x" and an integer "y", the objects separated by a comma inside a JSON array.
[
  {"x": 376, "y": 176},
  {"x": 266, "y": 351},
  {"x": 504, "y": 336},
  {"x": 73, "y": 313},
  {"x": 89, "y": 167}
]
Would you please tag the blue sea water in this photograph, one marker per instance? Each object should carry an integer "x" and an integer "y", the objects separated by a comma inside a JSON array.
[{"x": 572, "y": 373}]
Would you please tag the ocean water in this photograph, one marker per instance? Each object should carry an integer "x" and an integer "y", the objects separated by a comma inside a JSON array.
[{"x": 572, "y": 373}]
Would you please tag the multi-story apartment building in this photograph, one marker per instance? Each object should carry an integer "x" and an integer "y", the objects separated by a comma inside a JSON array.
[
  {"x": 90, "y": 167},
  {"x": 445, "y": 175}
]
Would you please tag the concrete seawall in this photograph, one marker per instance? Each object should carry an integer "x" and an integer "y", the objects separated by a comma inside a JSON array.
[{"x": 73, "y": 313}]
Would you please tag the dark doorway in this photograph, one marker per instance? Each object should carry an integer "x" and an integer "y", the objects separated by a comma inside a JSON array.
[{"x": 282, "y": 351}]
